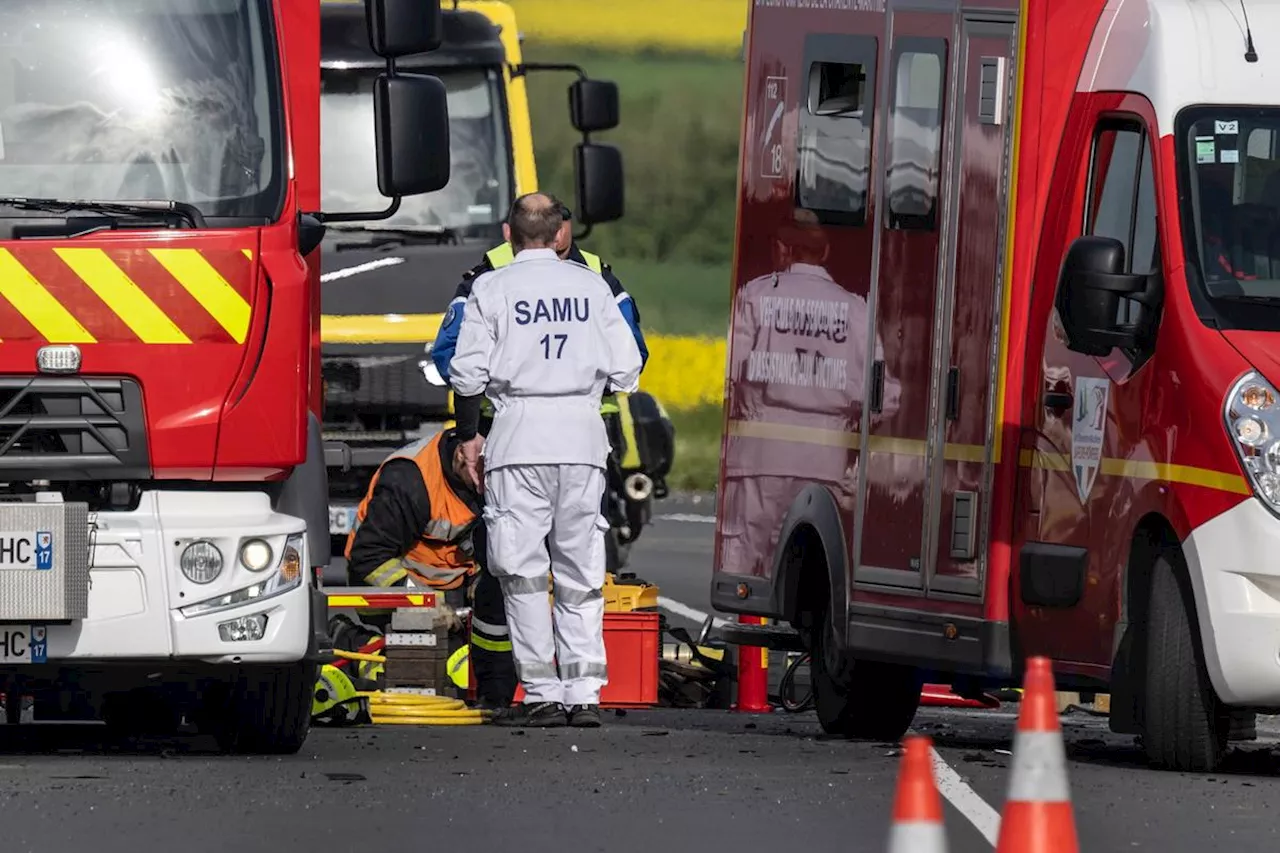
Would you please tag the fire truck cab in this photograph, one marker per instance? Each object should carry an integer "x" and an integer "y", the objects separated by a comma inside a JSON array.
[
  {"x": 1003, "y": 377},
  {"x": 162, "y": 473}
]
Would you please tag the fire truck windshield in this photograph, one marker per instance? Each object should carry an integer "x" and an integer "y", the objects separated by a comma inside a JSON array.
[
  {"x": 140, "y": 99},
  {"x": 476, "y": 198},
  {"x": 1230, "y": 165}
]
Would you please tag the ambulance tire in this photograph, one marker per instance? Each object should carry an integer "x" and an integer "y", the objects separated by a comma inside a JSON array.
[
  {"x": 1185, "y": 725},
  {"x": 270, "y": 710},
  {"x": 860, "y": 699}
]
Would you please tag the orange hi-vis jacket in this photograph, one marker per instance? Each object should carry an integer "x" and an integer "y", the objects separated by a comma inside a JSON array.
[{"x": 442, "y": 557}]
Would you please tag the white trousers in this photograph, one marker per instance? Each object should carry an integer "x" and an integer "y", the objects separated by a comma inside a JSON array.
[{"x": 540, "y": 519}]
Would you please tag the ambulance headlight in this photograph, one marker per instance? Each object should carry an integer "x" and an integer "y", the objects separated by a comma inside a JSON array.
[{"x": 1253, "y": 420}]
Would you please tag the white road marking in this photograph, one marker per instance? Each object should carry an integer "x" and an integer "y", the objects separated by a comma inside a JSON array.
[
  {"x": 976, "y": 810},
  {"x": 346, "y": 272},
  {"x": 687, "y": 517},
  {"x": 967, "y": 801},
  {"x": 690, "y": 613}
]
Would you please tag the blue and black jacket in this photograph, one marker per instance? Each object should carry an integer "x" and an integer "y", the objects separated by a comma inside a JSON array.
[{"x": 446, "y": 341}]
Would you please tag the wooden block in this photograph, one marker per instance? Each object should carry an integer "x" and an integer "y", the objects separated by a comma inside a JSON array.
[
  {"x": 1102, "y": 703},
  {"x": 1064, "y": 699}
]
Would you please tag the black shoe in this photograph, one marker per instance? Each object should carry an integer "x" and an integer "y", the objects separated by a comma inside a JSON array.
[
  {"x": 532, "y": 715},
  {"x": 487, "y": 703},
  {"x": 585, "y": 716}
]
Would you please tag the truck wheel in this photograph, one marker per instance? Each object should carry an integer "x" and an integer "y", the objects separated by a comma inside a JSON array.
[
  {"x": 1186, "y": 726},
  {"x": 270, "y": 710},
  {"x": 867, "y": 699}
]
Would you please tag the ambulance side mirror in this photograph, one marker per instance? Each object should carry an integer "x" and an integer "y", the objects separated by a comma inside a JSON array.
[
  {"x": 1091, "y": 288},
  {"x": 598, "y": 174},
  {"x": 593, "y": 105}
]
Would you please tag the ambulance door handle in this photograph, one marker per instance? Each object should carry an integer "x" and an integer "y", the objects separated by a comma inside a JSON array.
[
  {"x": 953, "y": 394},
  {"x": 877, "y": 386},
  {"x": 1059, "y": 401}
]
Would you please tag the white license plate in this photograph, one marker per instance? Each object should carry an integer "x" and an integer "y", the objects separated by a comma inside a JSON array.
[
  {"x": 26, "y": 550},
  {"x": 341, "y": 520},
  {"x": 24, "y": 644}
]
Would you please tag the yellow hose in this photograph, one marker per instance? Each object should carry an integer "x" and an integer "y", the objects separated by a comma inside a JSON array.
[
  {"x": 428, "y": 721},
  {"x": 411, "y": 709},
  {"x": 359, "y": 656}
]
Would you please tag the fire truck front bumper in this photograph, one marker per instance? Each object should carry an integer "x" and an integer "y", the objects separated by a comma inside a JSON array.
[
  {"x": 188, "y": 578},
  {"x": 1234, "y": 564}
]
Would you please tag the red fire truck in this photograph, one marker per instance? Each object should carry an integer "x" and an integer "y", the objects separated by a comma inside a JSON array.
[
  {"x": 1003, "y": 375},
  {"x": 163, "y": 501}
]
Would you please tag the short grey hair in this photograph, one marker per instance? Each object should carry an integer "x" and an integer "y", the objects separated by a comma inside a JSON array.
[{"x": 535, "y": 219}]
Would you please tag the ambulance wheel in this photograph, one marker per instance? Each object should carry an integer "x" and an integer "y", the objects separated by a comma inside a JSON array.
[
  {"x": 1185, "y": 726},
  {"x": 269, "y": 712},
  {"x": 860, "y": 699}
]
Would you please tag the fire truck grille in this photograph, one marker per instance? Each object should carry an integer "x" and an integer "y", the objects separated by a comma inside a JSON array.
[{"x": 68, "y": 428}]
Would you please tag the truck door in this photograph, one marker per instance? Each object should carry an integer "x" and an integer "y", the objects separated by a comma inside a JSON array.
[
  {"x": 964, "y": 379},
  {"x": 894, "y": 480}
]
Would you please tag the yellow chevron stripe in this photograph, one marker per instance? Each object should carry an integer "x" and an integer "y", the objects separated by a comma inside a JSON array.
[
  {"x": 54, "y": 322},
  {"x": 126, "y": 299},
  {"x": 209, "y": 288},
  {"x": 248, "y": 253}
]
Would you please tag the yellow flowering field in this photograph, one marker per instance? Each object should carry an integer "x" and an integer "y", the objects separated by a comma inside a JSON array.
[
  {"x": 684, "y": 372},
  {"x": 702, "y": 26}
]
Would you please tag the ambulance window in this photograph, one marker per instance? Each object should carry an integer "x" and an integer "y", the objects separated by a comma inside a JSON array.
[
  {"x": 911, "y": 180},
  {"x": 834, "y": 143},
  {"x": 1122, "y": 194}
]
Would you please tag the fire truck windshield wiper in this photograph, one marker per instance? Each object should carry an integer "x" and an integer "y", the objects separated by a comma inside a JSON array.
[
  {"x": 378, "y": 235},
  {"x": 147, "y": 207}
]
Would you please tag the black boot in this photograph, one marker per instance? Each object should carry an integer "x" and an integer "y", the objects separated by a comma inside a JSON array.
[
  {"x": 532, "y": 715},
  {"x": 584, "y": 716}
]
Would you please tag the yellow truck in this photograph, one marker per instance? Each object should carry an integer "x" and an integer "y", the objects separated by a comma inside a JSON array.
[{"x": 385, "y": 286}]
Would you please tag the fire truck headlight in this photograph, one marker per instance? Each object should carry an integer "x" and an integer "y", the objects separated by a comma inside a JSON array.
[
  {"x": 201, "y": 562},
  {"x": 1253, "y": 419}
]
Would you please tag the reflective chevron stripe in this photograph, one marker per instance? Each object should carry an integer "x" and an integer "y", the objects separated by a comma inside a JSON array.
[{"x": 129, "y": 294}]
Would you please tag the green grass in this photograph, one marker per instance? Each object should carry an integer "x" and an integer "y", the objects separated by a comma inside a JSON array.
[
  {"x": 680, "y": 119},
  {"x": 678, "y": 298},
  {"x": 697, "y": 462}
]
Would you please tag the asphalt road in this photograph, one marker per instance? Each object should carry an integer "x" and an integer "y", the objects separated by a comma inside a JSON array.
[{"x": 647, "y": 781}]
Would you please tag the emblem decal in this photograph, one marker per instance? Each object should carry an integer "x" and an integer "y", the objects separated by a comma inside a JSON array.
[{"x": 1088, "y": 429}]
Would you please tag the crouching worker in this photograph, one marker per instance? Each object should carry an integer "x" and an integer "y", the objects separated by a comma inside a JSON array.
[{"x": 419, "y": 522}]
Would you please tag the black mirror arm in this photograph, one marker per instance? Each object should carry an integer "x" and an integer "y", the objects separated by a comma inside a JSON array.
[
  {"x": 1125, "y": 284},
  {"x": 524, "y": 68},
  {"x": 357, "y": 216}
]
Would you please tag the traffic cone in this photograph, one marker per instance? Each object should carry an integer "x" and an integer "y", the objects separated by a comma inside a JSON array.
[
  {"x": 1037, "y": 812},
  {"x": 917, "y": 808}
]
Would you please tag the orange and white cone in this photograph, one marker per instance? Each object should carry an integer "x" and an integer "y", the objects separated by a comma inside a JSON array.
[
  {"x": 917, "y": 808},
  {"x": 1037, "y": 813}
]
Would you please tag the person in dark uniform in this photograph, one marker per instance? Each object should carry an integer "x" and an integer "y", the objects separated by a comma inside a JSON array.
[{"x": 420, "y": 520}]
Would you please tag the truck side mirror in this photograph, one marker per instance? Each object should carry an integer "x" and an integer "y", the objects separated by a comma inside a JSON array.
[
  {"x": 593, "y": 105},
  {"x": 1091, "y": 286},
  {"x": 411, "y": 131},
  {"x": 404, "y": 27},
  {"x": 598, "y": 173}
]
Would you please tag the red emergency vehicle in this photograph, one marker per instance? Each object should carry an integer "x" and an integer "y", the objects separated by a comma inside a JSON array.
[
  {"x": 163, "y": 499},
  {"x": 1003, "y": 371}
]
